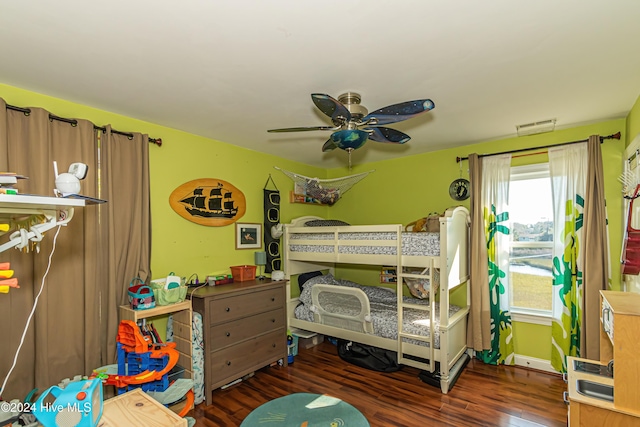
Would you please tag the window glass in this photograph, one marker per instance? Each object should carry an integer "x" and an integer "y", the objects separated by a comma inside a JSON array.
[{"x": 531, "y": 218}]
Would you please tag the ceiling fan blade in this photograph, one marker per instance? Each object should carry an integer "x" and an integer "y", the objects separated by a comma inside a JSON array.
[
  {"x": 303, "y": 129},
  {"x": 399, "y": 112},
  {"x": 382, "y": 134},
  {"x": 329, "y": 146},
  {"x": 331, "y": 107}
]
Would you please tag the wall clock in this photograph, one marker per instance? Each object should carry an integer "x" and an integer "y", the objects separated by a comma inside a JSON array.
[{"x": 459, "y": 189}]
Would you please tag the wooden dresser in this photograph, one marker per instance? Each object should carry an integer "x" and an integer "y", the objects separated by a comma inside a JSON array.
[{"x": 244, "y": 329}]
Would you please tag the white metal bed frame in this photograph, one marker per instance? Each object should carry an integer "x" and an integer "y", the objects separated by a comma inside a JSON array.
[{"x": 452, "y": 263}]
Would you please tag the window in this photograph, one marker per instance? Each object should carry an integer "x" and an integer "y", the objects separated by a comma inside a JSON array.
[{"x": 530, "y": 260}]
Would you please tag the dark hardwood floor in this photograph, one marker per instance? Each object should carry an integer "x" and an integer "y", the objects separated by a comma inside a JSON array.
[{"x": 484, "y": 395}]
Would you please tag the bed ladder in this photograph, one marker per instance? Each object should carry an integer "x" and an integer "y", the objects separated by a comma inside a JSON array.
[{"x": 402, "y": 335}]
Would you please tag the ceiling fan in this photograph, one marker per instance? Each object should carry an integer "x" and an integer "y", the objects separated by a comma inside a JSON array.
[{"x": 353, "y": 124}]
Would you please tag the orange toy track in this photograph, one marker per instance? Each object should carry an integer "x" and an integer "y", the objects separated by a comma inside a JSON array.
[
  {"x": 191, "y": 397},
  {"x": 132, "y": 340}
]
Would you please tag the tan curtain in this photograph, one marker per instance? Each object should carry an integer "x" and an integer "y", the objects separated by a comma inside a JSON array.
[
  {"x": 62, "y": 339},
  {"x": 127, "y": 231},
  {"x": 479, "y": 323},
  {"x": 596, "y": 261},
  {"x": 74, "y": 326}
]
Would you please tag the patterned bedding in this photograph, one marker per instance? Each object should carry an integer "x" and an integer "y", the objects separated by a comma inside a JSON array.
[
  {"x": 413, "y": 243},
  {"x": 383, "y": 306}
]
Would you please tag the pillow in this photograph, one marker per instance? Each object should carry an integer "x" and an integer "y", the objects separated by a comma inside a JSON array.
[
  {"x": 419, "y": 288},
  {"x": 302, "y": 278},
  {"x": 325, "y": 223}
]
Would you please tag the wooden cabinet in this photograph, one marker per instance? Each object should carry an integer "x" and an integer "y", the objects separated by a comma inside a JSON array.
[
  {"x": 181, "y": 313},
  {"x": 620, "y": 342},
  {"x": 244, "y": 329},
  {"x": 585, "y": 415}
]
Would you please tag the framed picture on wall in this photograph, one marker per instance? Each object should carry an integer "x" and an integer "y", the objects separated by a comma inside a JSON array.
[{"x": 248, "y": 235}]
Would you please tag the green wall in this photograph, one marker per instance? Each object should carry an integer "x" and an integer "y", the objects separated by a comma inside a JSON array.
[
  {"x": 633, "y": 122},
  {"x": 399, "y": 191},
  {"x": 179, "y": 245},
  {"x": 403, "y": 190}
]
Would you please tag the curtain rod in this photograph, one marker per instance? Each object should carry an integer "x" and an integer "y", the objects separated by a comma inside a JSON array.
[
  {"x": 602, "y": 138},
  {"x": 74, "y": 122}
]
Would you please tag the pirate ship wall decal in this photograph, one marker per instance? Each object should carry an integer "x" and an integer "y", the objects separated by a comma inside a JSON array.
[{"x": 208, "y": 201}]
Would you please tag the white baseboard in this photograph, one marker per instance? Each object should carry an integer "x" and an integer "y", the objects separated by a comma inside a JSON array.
[
  {"x": 527, "y": 362},
  {"x": 534, "y": 363}
]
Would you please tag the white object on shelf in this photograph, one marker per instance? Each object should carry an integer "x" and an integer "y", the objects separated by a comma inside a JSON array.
[
  {"x": 57, "y": 211},
  {"x": 67, "y": 183}
]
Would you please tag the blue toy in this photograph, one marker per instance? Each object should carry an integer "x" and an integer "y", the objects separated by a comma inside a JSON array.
[{"x": 79, "y": 404}]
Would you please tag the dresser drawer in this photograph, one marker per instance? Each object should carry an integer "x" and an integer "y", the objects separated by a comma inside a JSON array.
[
  {"x": 230, "y": 333},
  {"x": 231, "y": 308},
  {"x": 245, "y": 329},
  {"x": 232, "y": 362}
]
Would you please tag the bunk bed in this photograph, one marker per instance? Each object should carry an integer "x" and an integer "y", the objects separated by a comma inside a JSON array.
[{"x": 417, "y": 256}]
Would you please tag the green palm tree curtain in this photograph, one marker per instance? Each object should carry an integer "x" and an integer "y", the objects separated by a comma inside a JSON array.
[
  {"x": 578, "y": 275},
  {"x": 568, "y": 170},
  {"x": 496, "y": 171}
]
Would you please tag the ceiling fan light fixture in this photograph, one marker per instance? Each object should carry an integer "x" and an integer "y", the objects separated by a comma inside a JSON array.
[
  {"x": 349, "y": 138},
  {"x": 536, "y": 127}
]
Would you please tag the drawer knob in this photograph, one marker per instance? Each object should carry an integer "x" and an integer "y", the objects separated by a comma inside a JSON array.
[
  {"x": 228, "y": 334},
  {"x": 273, "y": 320},
  {"x": 273, "y": 345},
  {"x": 227, "y": 309},
  {"x": 273, "y": 299},
  {"x": 228, "y": 363}
]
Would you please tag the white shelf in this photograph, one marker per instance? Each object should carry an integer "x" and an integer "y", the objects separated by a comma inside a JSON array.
[
  {"x": 22, "y": 201},
  {"x": 57, "y": 211}
]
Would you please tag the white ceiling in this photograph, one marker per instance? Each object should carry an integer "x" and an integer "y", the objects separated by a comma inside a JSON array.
[{"x": 230, "y": 70}]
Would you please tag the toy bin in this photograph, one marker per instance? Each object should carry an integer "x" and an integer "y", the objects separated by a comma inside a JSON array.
[
  {"x": 306, "y": 339},
  {"x": 292, "y": 347},
  {"x": 243, "y": 273},
  {"x": 168, "y": 296}
]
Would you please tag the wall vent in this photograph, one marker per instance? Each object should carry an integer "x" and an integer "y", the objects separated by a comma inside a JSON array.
[{"x": 536, "y": 127}]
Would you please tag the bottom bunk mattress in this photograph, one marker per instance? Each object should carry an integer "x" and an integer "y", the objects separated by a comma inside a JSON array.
[{"x": 383, "y": 305}]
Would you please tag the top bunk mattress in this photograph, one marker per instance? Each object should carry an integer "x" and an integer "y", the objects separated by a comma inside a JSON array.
[{"x": 413, "y": 243}]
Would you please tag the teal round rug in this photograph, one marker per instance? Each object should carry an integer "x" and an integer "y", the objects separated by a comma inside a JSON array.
[{"x": 306, "y": 410}]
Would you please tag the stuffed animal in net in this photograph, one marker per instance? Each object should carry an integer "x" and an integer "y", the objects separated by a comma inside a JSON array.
[
  {"x": 326, "y": 196},
  {"x": 325, "y": 191}
]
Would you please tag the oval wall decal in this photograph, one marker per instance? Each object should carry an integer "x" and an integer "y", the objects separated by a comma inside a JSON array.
[{"x": 208, "y": 201}]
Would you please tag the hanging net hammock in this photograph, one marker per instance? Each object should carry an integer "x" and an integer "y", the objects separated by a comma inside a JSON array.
[{"x": 326, "y": 191}]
